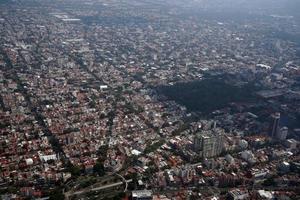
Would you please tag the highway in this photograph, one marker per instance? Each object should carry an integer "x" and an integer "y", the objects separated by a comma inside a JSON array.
[{"x": 70, "y": 193}]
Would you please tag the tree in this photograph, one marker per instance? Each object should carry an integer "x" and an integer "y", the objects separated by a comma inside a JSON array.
[
  {"x": 73, "y": 169},
  {"x": 269, "y": 182},
  {"x": 99, "y": 169},
  {"x": 56, "y": 195},
  {"x": 119, "y": 196},
  {"x": 154, "y": 146},
  {"x": 102, "y": 152},
  {"x": 132, "y": 185}
]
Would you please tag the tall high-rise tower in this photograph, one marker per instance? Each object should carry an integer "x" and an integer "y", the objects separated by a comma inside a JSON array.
[
  {"x": 275, "y": 125},
  {"x": 209, "y": 143}
]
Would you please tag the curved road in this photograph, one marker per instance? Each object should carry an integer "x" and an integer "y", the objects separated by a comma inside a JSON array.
[{"x": 70, "y": 193}]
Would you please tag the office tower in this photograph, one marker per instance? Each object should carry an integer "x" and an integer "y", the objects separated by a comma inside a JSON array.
[
  {"x": 275, "y": 125},
  {"x": 209, "y": 143}
]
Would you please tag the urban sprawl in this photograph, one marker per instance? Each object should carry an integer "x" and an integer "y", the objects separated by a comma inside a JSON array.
[{"x": 83, "y": 116}]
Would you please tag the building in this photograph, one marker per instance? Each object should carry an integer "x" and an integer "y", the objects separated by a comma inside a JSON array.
[
  {"x": 284, "y": 167},
  {"x": 260, "y": 175},
  {"x": 275, "y": 125},
  {"x": 229, "y": 159},
  {"x": 243, "y": 144},
  {"x": 282, "y": 133},
  {"x": 209, "y": 143},
  {"x": 291, "y": 144},
  {"x": 248, "y": 156},
  {"x": 187, "y": 174},
  {"x": 263, "y": 194},
  {"x": 238, "y": 194},
  {"x": 142, "y": 195}
]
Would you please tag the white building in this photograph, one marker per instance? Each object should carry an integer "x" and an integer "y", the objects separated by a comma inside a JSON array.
[{"x": 209, "y": 143}]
